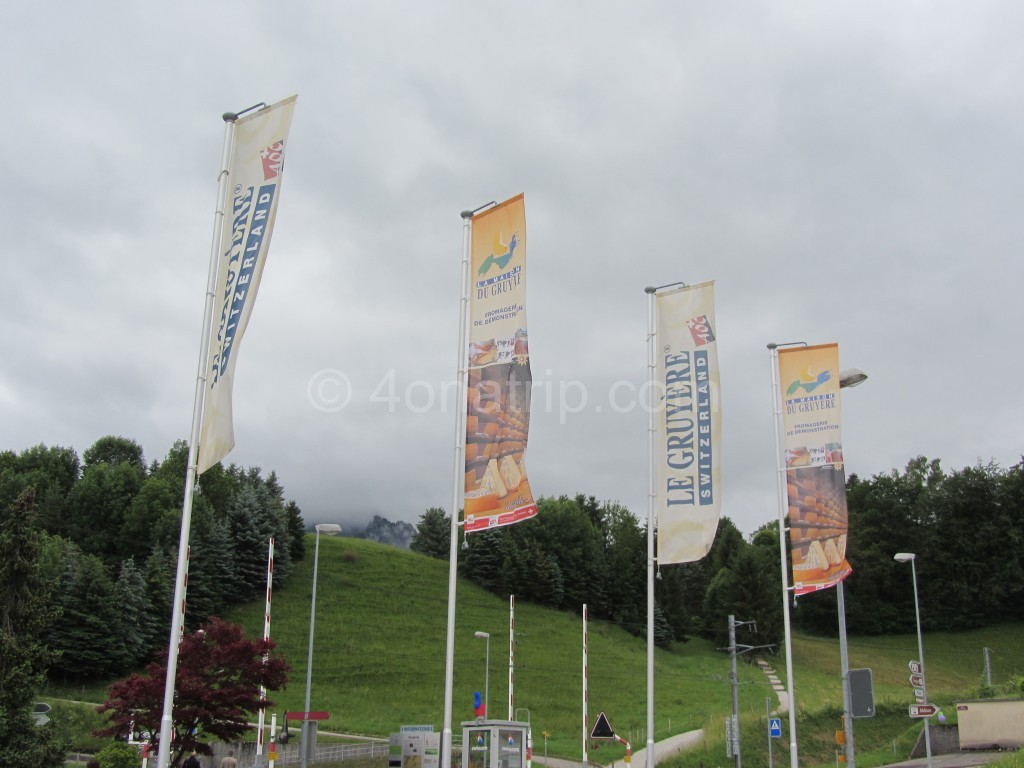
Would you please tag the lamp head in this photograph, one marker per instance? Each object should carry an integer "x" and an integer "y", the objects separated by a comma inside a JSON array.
[
  {"x": 851, "y": 377},
  {"x": 482, "y": 635},
  {"x": 904, "y": 557},
  {"x": 328, "y": 529}
]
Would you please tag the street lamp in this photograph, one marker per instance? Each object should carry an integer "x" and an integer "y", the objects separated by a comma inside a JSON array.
[
  {"x": 903, "y": 557},
  {"x": 851, "y": 377},
  {"x": 486, "y": 637},
  {"x": 328, "y": 529}
]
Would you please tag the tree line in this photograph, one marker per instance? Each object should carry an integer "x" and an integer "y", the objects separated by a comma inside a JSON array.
[
  {"x": 90, "y": 546},
  {"x": 966, "y": 528},
  {"x": 109, "y": 526}
]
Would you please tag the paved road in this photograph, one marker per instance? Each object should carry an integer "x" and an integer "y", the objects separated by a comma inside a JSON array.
[
  {"x": 662, "y": 749},
  {"x": 953, "y": 760},
  {"x": 682, "y": 741}
]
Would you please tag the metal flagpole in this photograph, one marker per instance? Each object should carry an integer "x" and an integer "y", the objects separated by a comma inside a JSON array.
[
  {"x": 458, "y": 482},
  {"x": 178, "y": 612},
  {"x": 652, "y": 500},
  {"x": 266, "y": 636},
  {"x": 780, "y": 470},
  {"x": 511, "y": 650},
  {"x": 584, "y": 685},
  {"x": 651, "y": 497},
  {"x": 458, "y": 486}
]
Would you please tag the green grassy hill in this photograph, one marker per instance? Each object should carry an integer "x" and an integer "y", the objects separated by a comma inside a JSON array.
[{"x": 380, "y": 648}]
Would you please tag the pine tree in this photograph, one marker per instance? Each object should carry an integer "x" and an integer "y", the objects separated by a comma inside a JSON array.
[
  {"x": 133, "y": 614},
  {"x": 433, "y": 534},
  {"x": 251, "y": 527},
  {"x": 25, "y": 616},
  {"x": 87, "y": 632}
]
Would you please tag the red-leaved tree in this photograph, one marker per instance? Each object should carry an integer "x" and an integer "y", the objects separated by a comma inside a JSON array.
[{"x": 216, "y": 688}]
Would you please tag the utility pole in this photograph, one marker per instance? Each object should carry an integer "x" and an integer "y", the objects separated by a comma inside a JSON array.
[{"x": 735, "y": 681}]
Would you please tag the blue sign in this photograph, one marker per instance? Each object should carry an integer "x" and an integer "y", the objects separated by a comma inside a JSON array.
[{"x": 775, "y": 727}]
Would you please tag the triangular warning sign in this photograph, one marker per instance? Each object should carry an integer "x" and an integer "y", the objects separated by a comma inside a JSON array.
[{"x": 602, "y": 728}]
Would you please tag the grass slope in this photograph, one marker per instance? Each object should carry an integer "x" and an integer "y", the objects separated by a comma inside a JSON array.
[
  {"x": 379, "y": 663},
  {"x": 379, "y": 655},
  {"x": 380, "y": 649}
]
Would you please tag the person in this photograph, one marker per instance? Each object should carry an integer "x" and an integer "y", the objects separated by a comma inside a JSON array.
[
  {"x": 192, "y": 761},
  {"x": 229, "y": 761}
]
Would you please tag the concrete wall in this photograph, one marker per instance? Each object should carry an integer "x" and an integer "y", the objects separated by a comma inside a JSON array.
[{"x": 991, "y": 724}]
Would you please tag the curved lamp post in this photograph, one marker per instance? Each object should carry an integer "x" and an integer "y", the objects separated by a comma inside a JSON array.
[
  {"x": 851, "y": 377},
  {"x": 486, "y": 637},
  {"x": 904, "y": 557},
  {"x": 328, "y": 529}
]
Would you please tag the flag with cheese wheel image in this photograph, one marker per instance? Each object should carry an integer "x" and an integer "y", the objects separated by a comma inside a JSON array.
[
  {"x": 689, "y": 423},
  {"x": 815, "y": 473},
  {"x": 497, "y": 491}
]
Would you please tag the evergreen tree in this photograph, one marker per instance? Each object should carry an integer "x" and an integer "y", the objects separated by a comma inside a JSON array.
[
  {"x": 25, "y": 616},
  {"x": 87, "y": 632},
  {"x": 433, "y": 534},
  {"x": 159, "y": 574},
  {"x": 481, "y": 560},
  {"x": 153, "y": 518},
  {"x": 97, "y": 505},
  {"x": 133, "y": 614},
  {"x": 211, "y": 571},
  {"x": 278, "y": 521},
  {"x": 251, "y": 525},
  {"x": 296, "y": 532}
]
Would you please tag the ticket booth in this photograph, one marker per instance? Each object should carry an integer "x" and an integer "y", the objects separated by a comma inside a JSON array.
[
  {"x": 417, "y": 746},
  {"x": 494, "y": 744}
]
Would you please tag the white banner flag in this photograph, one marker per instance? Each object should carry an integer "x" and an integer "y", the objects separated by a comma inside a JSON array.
[
  {"x": 255, "y": 168},
  {"x": 688, "y": 455}
]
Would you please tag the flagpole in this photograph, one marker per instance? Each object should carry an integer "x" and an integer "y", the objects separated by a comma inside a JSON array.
[
  {"x": 652, "y": 502},
  {"x": 511, "y": 652},
  {"x": 780, "y": 470},
  {"x": 585, "y": 683},
  {"x": 261, "y": 720},
  {"x": 178, "y": 612},
  {"x": 458, "y": 483},
  {"x": 651, "y": 497}
]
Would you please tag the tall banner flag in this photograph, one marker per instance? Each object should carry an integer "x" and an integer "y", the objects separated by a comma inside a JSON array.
[
  {"x": 497, "y": 491},
  {"x": 255, "y": 168},
  {"x": 688, "y": 456},
  {"x": 815, "y": 474}
]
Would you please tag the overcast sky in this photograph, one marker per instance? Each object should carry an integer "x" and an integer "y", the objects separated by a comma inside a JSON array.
[{"x": 843, "y": 171}]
